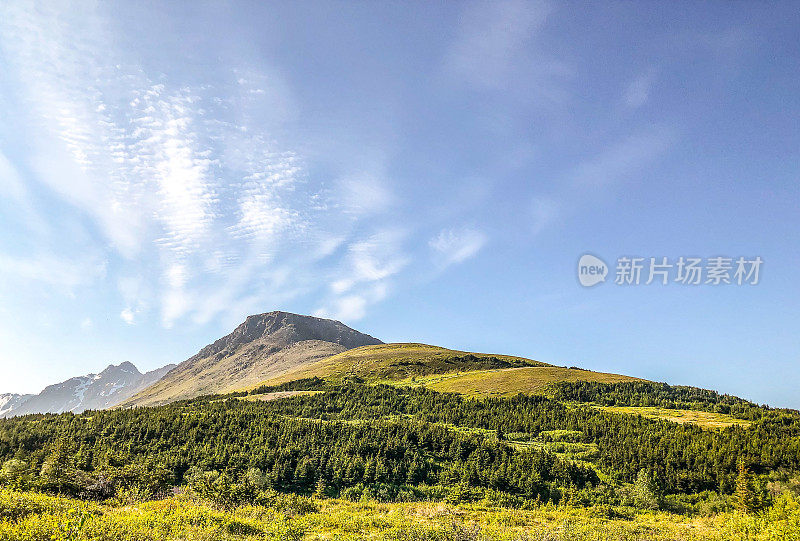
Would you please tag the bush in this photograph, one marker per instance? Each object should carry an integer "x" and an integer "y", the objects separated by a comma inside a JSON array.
[{"x": 288, "y": 504}]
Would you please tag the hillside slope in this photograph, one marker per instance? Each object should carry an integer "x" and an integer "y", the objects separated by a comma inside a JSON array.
[
  {"x": 399, "y": 361},
  {"x": 476, "y": 374},
  {"x": 264, "y": 346},
  {"x": 511, "y": 381},
  {"x": 11, "y": 401}
]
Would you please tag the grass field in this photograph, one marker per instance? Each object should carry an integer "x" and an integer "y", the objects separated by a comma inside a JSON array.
[
  {"x": 446, "y": 370},
  {"x": 392, "y": 362},
  {"x": 704, "y": 419},
  {"x": 34, "y": 517},
  {"x": 511, "y": 381}
]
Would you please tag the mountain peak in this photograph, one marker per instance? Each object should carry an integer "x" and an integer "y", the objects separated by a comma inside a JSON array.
[
  {"x": 125, "y": 366},
  {"x": 262, "y": 346},
  {"x": 286, "y": 328},
  {"x": 91, "y": 391}
]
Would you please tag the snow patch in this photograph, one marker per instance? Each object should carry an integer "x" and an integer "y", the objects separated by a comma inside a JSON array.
[{"x": 80, "y": 390}]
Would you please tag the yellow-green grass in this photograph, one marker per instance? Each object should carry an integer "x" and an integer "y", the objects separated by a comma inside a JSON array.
[
  {"x": 443, "y": 369},
  {"x": 703, "y": 419},
  {"x": 511, "y": 381},
  {"x": 29, "y": 517},
  {"x": 394, "y": 362}
]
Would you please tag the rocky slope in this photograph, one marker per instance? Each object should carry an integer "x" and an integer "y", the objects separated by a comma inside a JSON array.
[
  {"x": 92, "y": 391},
  {"x": 263, "y": 347},
  {"x": 11, "y": 401}
]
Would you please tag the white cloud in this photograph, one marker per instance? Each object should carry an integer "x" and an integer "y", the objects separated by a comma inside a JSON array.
[
  {"x": 64, "y": 274},
  {"x": 176, "y": 176},
  {"x": 353, "y": 307},
  {"x": 128, "y": 316},
  {"x": 375, "y": 258},
  {"x": 16, "y": 199},
  {"x": 365, "y": 276},
  {"x": 364, "y": 193},
  {"x": 349, "y": 308},
  {"x": 175, "y": 304},
  {"x": 176, "y": 275},
  {"x": 206, "y": 213},
  {"x": 87, "y": 324},
  {"x": 11, "y": 184},
  {"x": 496, "y": 48},
  {"x": 638, "y": 91},
  {"x": 621, "y": 160},
  {"x": 457, "y": 245}
]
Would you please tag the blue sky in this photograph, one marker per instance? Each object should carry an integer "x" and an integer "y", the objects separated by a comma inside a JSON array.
[{"x": 422, "y": 171}]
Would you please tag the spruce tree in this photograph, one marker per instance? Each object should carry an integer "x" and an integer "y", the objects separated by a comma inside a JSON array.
[{"x": 745, "y": 497}]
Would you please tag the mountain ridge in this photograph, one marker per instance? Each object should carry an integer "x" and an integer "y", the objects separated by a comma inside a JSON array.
[
  {"x": 102, "y": 390},
  {"x": 263, "y": 346}
]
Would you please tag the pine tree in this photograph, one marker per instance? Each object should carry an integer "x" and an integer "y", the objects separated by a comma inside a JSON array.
[
  {"x": 57, "y": 468},
  {"x": 321, "y": 488},
  {"x": 645, "y": 491},
  {"x": 745, "y": 497}
]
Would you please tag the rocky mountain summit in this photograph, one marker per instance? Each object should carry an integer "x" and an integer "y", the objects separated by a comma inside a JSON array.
[{"x": 263, "y": 346}]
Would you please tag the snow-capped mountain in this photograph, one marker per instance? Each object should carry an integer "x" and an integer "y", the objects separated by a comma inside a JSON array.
[
  {"x": 92, "y": 391},
  {"x": 10, "y": 401}
]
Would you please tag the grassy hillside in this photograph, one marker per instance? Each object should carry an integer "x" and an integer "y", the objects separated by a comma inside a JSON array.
[
  {"x": 704, "y": 419},
  {"x": 447, "y": 370},
  {"x": 393, "y": 362},
  {"x": 511, "y": 381},
  {"x": 365, "y": 461}
]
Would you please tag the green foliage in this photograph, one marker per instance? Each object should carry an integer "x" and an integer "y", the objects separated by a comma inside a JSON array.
[
  {"x": 681, "y": 458},
  {"x": 645, "y": 492},
  {"x": 662, "y": 395},
  {"x": 384, "y": 443},
  {"x": 745, "y": 497},
  {"x": 227, "y": 451},
  {"x": 572, "y": 436},
  {"x": 180, "y": 519},
  {"x": 35, "y": 517},
  {"x": 305, "y": 384}
]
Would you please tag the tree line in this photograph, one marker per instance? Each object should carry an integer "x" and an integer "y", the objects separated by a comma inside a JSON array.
[{"x": 358, "y": 435}]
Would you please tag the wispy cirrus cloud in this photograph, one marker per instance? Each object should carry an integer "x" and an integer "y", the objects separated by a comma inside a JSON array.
[
  {"x": 61, "y": 272},
  {"x": 599, "y": 174},
  {"x": 453, "y": 246},
  {"x": 621, "y": 160},
  {"x": 365, "y": 274},
  {"x": 183, "y": 180},
  {"x": 638, "y": 90},
  {"x": 496, "y": 47}
]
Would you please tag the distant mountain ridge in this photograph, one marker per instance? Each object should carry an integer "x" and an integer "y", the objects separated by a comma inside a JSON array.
[
  {"x": 11, "y": 401},
  {"x": 262, "y": 347},
  {"x": 276, "y": 347},
  {"x": 113, "y": 385}
]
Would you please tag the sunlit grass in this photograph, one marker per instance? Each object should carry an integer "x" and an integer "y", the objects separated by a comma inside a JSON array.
[
  {"x": 511, "y": 381},
  {"x": 703, "y": 419},
  {"x": 28, "y": 516}
]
